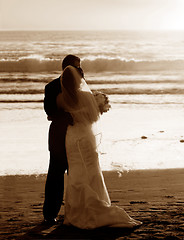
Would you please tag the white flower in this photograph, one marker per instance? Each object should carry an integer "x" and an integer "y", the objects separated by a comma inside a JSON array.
[{"x": 102, "y": 101}]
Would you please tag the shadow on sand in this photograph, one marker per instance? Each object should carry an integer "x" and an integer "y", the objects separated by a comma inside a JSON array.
[{"x": 61, "y": 231}]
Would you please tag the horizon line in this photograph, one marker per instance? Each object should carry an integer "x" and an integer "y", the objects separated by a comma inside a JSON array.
[{"x": 90, "y": 30}]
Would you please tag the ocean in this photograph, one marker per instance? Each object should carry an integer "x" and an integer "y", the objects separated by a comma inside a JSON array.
[{"x": 141, "y": 72}]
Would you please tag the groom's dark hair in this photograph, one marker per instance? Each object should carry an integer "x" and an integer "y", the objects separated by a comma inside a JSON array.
[{"x": 69, "y": 60}]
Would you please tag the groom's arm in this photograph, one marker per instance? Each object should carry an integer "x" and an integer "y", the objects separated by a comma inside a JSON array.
[{"x": 50, "y": 105}]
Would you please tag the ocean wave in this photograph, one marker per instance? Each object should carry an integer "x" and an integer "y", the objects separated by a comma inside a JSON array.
[
  {"x": 136, "y": 91},
  {"x": 21, "y": 91},
  {"x": 117, "y": 64},
  {"x": 108, "y": 91},
  {"x": 41, "y": 64},
  {"x": 24, "y": 80},
  {"x": 21, "y": 101},
  {"x": 96, "y": 82},
  {"x": 100, "y": 82},
  {"x": 30, "y": 64}
]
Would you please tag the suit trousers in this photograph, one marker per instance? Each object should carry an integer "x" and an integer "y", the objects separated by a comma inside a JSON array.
[{"x": 54, "y": 187}]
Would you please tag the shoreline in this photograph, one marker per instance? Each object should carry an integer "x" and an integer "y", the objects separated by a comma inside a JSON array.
[
  {"x": 104, "y": 172},
  {"x": 154, "y": 197}
]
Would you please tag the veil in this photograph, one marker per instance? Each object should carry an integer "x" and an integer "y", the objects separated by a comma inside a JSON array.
[{"x": 76, "y": 97}]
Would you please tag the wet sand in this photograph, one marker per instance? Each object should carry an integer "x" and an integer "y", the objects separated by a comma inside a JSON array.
[{"x": 155, "y": 197}]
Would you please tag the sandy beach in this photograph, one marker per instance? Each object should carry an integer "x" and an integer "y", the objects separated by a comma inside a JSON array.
[{"x": 154, "y": 197}]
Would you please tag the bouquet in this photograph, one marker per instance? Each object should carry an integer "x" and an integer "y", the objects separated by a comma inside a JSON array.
[{"x": 102, "y": 101}]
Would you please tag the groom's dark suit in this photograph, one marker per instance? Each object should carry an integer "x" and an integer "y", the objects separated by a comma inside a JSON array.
[{"x": 54, "y": 187}]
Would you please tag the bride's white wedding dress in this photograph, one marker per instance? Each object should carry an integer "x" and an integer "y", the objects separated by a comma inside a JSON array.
[{"x": 87, "y": 203}]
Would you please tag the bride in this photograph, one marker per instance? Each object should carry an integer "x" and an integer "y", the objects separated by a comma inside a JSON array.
[{"x": 87, "y": 203}]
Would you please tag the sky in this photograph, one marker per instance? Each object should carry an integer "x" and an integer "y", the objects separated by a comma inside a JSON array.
[{"x": 91, "y": 14}]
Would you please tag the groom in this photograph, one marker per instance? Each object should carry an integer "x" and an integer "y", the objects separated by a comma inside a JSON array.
[{"x": 54, "y": 187}]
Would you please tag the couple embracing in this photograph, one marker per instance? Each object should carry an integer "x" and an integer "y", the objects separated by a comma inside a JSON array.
[{"x": 74, "y": 113}]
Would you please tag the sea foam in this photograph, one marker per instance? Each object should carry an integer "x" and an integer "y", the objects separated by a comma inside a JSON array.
[{"x": 41, "y": 64}]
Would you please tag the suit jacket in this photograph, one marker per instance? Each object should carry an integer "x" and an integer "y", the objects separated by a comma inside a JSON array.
[
  {"x": 52, "y": 89},
  {"x": 60, "y": 119}
]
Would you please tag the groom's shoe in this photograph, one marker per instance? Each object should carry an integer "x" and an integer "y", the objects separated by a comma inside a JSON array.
[{"x": 50, "y": 222}]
